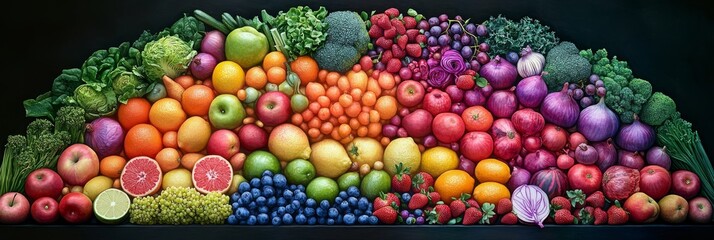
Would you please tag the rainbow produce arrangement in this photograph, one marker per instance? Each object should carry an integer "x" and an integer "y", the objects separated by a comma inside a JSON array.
[{"x": 311, "y": 117}]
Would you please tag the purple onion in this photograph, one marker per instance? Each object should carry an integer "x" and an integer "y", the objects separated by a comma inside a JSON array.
[
  {"x": 560, "y": 109},
  {"x": 401, "y": 132},
  {"x": 586, "y": 154},
  {"x": 500, "y": 74},
  {"x": 539, "y": 160},
  {"x": 531, "y": 91},
  {"x": 430, "y": 141},
  {"x": 607, "y": 154},
  {"x": 483, "y": 58},
  {"x": 636, "y": 137},
  {"x": 390, "y": 131},
  {"x": 468, "y": 165},
  {"x": 105, "y": 136},
  {"x": 658, "y": 156},
  {"x": 202, "y": 66},
  {"x": 214, "y": 43},
  {"x": 396, "y": 121},
  {"x": 458, "y": 108},
  {"x": 473, "y": 98},
  {"x": 598, "y": 122},
  {"x": 630, "y": 159},
  {"x": 519, "y": 176},
  {"x": 439, "y": 78},
  {"x": 456, "y": 94},
  {"x": 487, "y": 90},
  {"x": 502, "y": 103}
]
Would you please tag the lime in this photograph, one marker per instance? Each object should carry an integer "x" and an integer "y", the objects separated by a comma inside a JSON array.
[
  {"x": 299, "y": 171},
  {"x": 111, "y": 206},
  {"x": 257, "y": 162},
  {"x": 348, "y": 179},
  {"x": 322, "y": 188},
  {"x": 375, "y": 182}
]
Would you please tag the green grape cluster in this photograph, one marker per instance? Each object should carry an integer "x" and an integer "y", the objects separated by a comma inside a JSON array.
[
  {"x": 178, "y": 205},
  {"x": 144, "y": 210},
  {"x": 214, "y": 209}
]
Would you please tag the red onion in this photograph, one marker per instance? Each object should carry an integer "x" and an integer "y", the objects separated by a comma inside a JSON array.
[
  {"x": 390, "y": 130},
  {"x": 214, "y": 43},
  {"x": 456, "y": 94},
  {"x": 468, "y": 165},
  {"x": 531, "y": 91},
  {"x": 636, "y": 136},
  {"x": 516, "y": 161},
  {"x": 519, "y": 176},
  {"x": 452, "y": 62},
  {"x": 502, "y": 103},
  {"x": 506, "y": 141},
  {"x": 474, "y": 98},
  {"x": 202, "y": 66},
  {"x": 539, "y": 160},
  {"x": 658, "y": 156},
  {"x": 560, "y": 108},
  {"x": 528, "y": 122},
  {"x": 531, "y": 63},
  {"x": 487, "y": 90},
  {"x": 575, "y": 139},
  {"x": 553, "y": 137},
  {"x": 630, "y": 159},
  {"x": 531, "y": 204},
  {"x": 439, "y": 78},
  {"x": 597, "y": 122},
  {"x": 607, "y": 154},
  {"x": 458, "y": 108},
  {"x": 564, "y": 161},
  {"x": 105, "y": 136},
  {"x": 586, "y": 154},
  {"x": 532, "y": 143},
  {"x": 430, "y": 141},
  {"x": 500, "y": 74}
]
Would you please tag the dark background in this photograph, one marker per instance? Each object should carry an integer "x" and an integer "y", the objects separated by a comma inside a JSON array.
[{"x": 668, "y": 43}]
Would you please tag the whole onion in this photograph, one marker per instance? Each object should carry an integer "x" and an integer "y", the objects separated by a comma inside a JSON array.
[
  {"x": 531, "y": 91},
  {"x": 636, "y": 136},
  {"x": 539, "y": 160},
  {"x": 506, "y": 141},
  {"x": 474, "y": 98},
  {"x": 553, "y": 137},
  {"x": 105, "y": 136},
  {"x": 458, "y": 108},
  {"x": 630, "y": 159},
  {"x": 452, "y": 62},
  {"x": 456, "y": 94},
  {"x": 606, "y": 154},
  {"x": 468, "y": 165},
  {"x": 502, "y": 103},
  {"x": 214, "y": 43},
  {"x": 575, "y": 139},
  {"x": 531, "y": 63},
  {"x": 202, "y": 66},
  {"x": 597, "y": 122},
  {"x": 658, "y": 156},
  {"x": 519, "y": 176},
  {"x": 430, "y": 141},
  {"x": 500, "y": 73},
  {"x": 528, "y": 122},
  {"x": 439, "y": 78},
  {"x": 560, "y": 108},
  {"x": 586, "y": 154},
  {"x": 532, "y": 143}
]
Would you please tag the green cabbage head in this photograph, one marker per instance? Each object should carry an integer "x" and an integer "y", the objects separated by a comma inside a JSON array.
[{"x": 168, "y": 56}]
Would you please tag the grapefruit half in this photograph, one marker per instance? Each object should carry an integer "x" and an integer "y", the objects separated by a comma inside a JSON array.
[
  {"x": 141, "y": 176},
  {"x": 212, "y": 173}
]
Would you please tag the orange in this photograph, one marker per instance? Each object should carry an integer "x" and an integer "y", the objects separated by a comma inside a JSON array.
[
  {"x": 386, "y": 106},
  {"x": 135, "y": 111},
  {"x": 274, "y": 59},
  {"x": 193, "y": 135},
  {"x": 490, "y": 192},
  {"x": 196, "y": 100},
  {"x": 228, "y": 77},
  {"x": 185, "y": 81},
  {"x": 190, "y": 159},
  {"x": 306, "y": 68},
  {"x": 255, "y": 77},
  {"x": 276, "y": 75},
  {"x": 438, "y": 160},
  {"x": 142, "y": 140},
  {"x": 169, "y": 139},
  {"x": 167, "y": 114},
  {"x": 112, "y": 166},
  {"x": 168, "y": 159},
  {"x": 451, "y": 184},
  {"x": 492, "y": 170}
]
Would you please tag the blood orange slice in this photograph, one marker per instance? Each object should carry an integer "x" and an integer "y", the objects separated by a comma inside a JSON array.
[
  {"x": 212, "y": 173},
  {"x": 141, "y": 176}
]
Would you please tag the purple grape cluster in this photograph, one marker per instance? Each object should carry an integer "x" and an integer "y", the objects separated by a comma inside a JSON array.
[
  {"x": 457, "y": 34},
  {"x": 585, "y": 94}
]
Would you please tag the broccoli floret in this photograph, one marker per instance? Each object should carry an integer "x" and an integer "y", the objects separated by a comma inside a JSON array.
[
  {"x": 657, "y": 109},
  {"x": 37, "y": 128},
  {"x": 71, "y": 119},
  {"x": 564, "y": 64},
  {"x": 641, "y": 87},
  {"x": 347, "y": 39}
]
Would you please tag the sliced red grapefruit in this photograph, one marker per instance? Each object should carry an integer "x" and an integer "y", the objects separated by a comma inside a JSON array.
[
  {"x": 141, "y": 176},
  {"x": 212, "y": 173}
]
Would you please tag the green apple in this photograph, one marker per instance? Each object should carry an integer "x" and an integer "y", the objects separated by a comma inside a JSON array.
[
  {"x": 246, "y": 46},
  {"x": 226, "y": 112}
]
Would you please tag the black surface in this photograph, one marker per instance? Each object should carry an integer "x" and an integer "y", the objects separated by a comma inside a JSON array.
[{"x": 665, "y": 42}]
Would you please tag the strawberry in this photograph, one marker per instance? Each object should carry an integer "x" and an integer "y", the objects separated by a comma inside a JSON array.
[
  {"x": 421, "y": 39},
  {"x": 596, "y": 200},
  {"x": 385, "y": 199},
  {"x": 390, "y": 32},
  {"x": 383, "y": 22},
  {"x": 413, "y": 50},
  {"x": 434, "y": 197},
  {"x": 418, "y": 201},
  {"x": 399, "y": 26},
  {"x": 397, "y": 52},
  {"x": 402, "y": 41},
  {"x": 386, "y": 56},
  {"x": 384, "y": 42},
  {"x": 392, "y": 12},
  {"x": 489, "y": 216},
  {"x": 386, "y": 215},
  {"x": 560, "y": 202},
  {"x": 393, "y": 198},
  {"x": 563, "y": 216},
  {"x": 600, "y": 216},
  {"x": 617, "y": 215},
  {"x": 375, "y": 31},
  {"x": 509, "y": 219},
  {"x": 472, "y": 215},
  {"x": 411, "y": 35},
  {"x": 465, "y": 82},
  {"x": 577, "y": 197},
  {"x": 504, "y": 206},
  {"x": 458, "y": 206},
  {"x": 409, "y": 22},
  {"x": 394, "y": 65},
  {"x": 441, "y": 214},
  {"x": 422, "y": 181},
  {"x": 401, "y": 181},
  {"x": 375, "y": 18},
  {"x": 472, "y": 203},
  {"x": 585, "y": 215}
]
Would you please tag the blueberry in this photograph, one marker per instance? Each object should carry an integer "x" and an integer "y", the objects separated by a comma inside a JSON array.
[
  {"x": 295, "y": 204},
  {"x": 410, "y": 220},
  {"x": 406, "y": 197},
  {"x": 404, "y": 214},
  {"x": 363, "y": 203},
  {"x": 352, "y": 202},
  {"x": 312, "y": 221},
  {"x": 418, "y": 212},
  {"x": 300, "y": 219},
  {"x": 273, "y": 214},
  {"x": 235, "y": 196},
  {"x": 363, "y": 219},
  {"x": 349, "y": 219},
  {"x": 370, "y": 207},
  {"x": 280, "y": 181},
  {"x": 263, "y": 209},
  {"x": 301, "y": 188},
  {"x": 333, "y": 213},
  {"x": 343, "y": 195},
  {"x": 262, "y": 218},
  {"x": 292, "y": 187},
  {"x": 243, "y": 187},
  {"x": 275, "y": 221},
  {"x": 321, "y": 212},
  {"x": 252, "y": 206},
  {"x": 272, "y": 201},
  {"x": 255, "y": 182},
  {"x": 261, "y": 201},
  {"x": 330, "y": 221},
  {"x": 308, "y": 211},
  {"x": 246, "y": 198},
  {"x": 420, "y": 220},
  {"x": 268, "y": 191},
  {"x": 373, "y": 220},
  {"x": 281, "y": 210},
  {"x": 266, "y": 180},
  {"x": 287, "y": 219},
  {"x": 232, "y": 220},
  {"x": 242, "y": 213},
  {"x": 300, "y": 196},
  {"x": 289, "y": 209},
  {"x": 344, "y": 206},
  {"x": 322, "y": 221},
  {"x": 324, "y": 204},
  {"x": 357, "y": 212},
  {"x": 368, "y": 212},
  {"x": 311, "y": 202},
  {"x": 288, "y": 195},
  {"x": 235, "y": 205},
  {"x": 255, "y": 192},
  {"x": 353, "y": 191},
  {"x": 281, "y": 201},
  {"x": 338, "y": 200},
  {"x": 252, "y": 220},
  {"x": 339, "y": 220}
]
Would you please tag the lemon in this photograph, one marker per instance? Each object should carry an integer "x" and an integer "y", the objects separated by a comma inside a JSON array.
[
  {"x": 179, "y": 177},
  {"x": 438, "y": 160},
  {"x": 363, "y": 150},
  {"x": 402, "y": 150},
  {"x": 288, "y": 142},
  {"x": 329, "y": 158},
  {"x": 97, "y": 185},
  {"x": 228, "y": 77}
]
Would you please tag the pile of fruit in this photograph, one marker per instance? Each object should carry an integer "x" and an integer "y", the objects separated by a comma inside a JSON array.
[{"x": 316, "y": 117}]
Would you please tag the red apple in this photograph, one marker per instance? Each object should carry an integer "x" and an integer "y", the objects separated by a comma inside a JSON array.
[
  {"x": 410, "y": 93},
  {"x": 642, "y": 208},
  {"x": 224, "y": 143},
  {"x": 673, "y": 208},
  {"x": 476, "y": 146},
  {"x": 448, "y": 127},
  {"x": 252, "y": 137},
  {"x": 685, "y": 183},
  {"x": 436, "y": 102},
  {"x": 45, "y": 210},
  {"x": 417, "y": 123},
  {"x": 77, "y": 164},
  {"x": 700, "y": 210},
  {"x": 273, "y": 108},
  {"x": 655, "y": 181},
  {"x": 14, "y": 208},
  {"x": 75, "y": 207},
  {"x": 43, "y": 182},
  {"x": 585, "y": 177}
]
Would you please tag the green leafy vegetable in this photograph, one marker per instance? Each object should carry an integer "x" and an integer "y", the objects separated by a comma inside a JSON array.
[
  {"x": 63, "y": 87},
  {"x": 506, "y": 35},
  {"x": 347, "y": 40},
  {"x": 303, "y": 29},
  {"x": 166, "y": 56},
  {"x": 96, "y": 99},
  {"x": 71, "y": 120}
]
